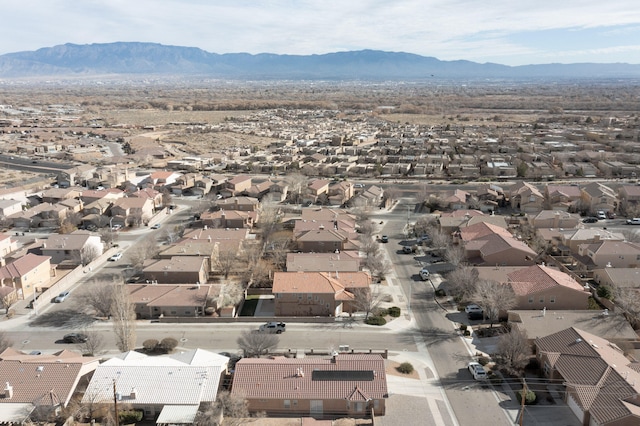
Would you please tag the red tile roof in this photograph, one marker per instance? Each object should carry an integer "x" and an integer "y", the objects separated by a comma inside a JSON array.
[{"x": 537, "y": 278}]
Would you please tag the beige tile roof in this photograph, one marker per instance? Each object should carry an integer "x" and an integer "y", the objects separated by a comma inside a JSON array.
[
  {"x": 606, "y": 383},
  {"x": 537, "y": 278},
  {"x": 319, "y": 282},
  {"x": 22, "y": 266},
  {"x": 43, "y": 378},
  {"x": 177, "y": 264},
  {"x": 217, "y": 234},
  {"x": 482, "y": 229},
  {"x": 294, "y": 378}
]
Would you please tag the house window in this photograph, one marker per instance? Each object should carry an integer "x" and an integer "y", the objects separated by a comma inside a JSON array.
[
  {"x": 173, "y": 312},
  {"x": 295, "y": 402},
  {"x": 546, "y": 368},
  {"x": 187, "y": 312},
  {"x": 552, "y": 299},
  {"x": 530, "y": 299},
  {"x": 299, "y": 296},
  {"x": 309, "y": 296},
  {"x": 541, "y": 299},
  {"x": 376, "y": 404},
  {"x": 359, "y": 407},
  {"x": 287, "y": 403}
]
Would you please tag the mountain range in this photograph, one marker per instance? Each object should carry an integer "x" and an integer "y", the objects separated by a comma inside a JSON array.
[{"x": 133, "y": 58}]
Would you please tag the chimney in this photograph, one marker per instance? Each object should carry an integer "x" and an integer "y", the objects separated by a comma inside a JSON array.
[
  {"x": 334, "y": 355},
  {"x": 596, "y": 238},
  {"x": 8, "y": 391},
  {"x": 133, "y": 393}
]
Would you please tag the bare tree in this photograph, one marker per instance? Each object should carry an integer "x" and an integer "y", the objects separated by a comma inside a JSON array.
[
  {"x": 278, "y": 251},
  {"x": 108, "y": 236},
  {"x": 124, "y": 318},
  {"x": 627, "y": 298},
  {"x": 461, "y": 282},
  {"x": 5, "y": 341},
  {"x": 98, "y": 296},
  {"x": 423, "y": 194},
  {"x": 454, "y": 255},
  {"x": 269, "y": 222},
  {"x": 513, "y": 352},
  {"x": 631, "y": 236},
  {"x": 173, "y": 234},
  {"x": 366, "y": 300},
  {"x": 88, "y": 254},
  {"x": 391, "y": 193},
  {"x": 6, "y": 300},
  {"x": 378, "y": 265},
  {"x": 493, "y": 297},
  {"x": 297, "y": 186},
  {"x": 226, "y": 260},
  {"x": 94, "y": 345},
  {"x": 146, "y": 249},
  {"x": 232, "y": 408},
  {"x": 254, "y": 344}
]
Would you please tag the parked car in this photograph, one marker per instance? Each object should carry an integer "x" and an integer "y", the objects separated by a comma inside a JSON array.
[
  {"x": 407, "y": 249},
  {"x": 116, "y": 227},
  {"x": 634, "y": 221},
  {"x": 273, "y": 327},
  {"x": 601, "y": 215},
  {"x": 75, "y": 338},
  {"x": 384, "y": 239},
  {"x": 424, "y": 274},
  {"x": 156, "y": 226},
  {"x": 35, "y": 353},
  {"x": 477, "y": 371},
  {"x": 115, "y": 257},
  {"x": 474, "y": 311},
  {"x": 590, "y": 220},
  {"x": 61, "y": 297}
]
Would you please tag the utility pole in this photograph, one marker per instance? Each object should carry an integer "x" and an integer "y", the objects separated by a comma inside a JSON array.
[
  {"x": 524, "y": 394},
  {"x": 115, "y": 404}
]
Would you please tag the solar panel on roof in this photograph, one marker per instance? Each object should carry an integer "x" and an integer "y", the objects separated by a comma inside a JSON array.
[{"x": 342, "y": 375}]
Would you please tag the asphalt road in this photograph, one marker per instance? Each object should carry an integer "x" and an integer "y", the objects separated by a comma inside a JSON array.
[{"x": 473, "y": 404}]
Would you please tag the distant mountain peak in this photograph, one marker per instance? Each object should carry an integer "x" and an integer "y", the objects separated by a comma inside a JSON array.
[{"x": 157, "y": 59}]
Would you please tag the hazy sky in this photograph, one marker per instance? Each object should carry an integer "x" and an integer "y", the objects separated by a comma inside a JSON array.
[{"x": 511, "y": 32}]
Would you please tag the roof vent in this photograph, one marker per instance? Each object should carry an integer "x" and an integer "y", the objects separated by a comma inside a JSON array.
[
  {"x": 40, "y": 368},
  {"x": 8, "y": 391},
  {"x": 578, "y": 340}
]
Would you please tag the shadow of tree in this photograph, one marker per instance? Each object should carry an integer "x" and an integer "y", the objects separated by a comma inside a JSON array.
[{"x": 66, "y": 318}]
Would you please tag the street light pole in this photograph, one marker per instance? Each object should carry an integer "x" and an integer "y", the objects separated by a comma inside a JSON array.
[{"x": 111, "y": 229}]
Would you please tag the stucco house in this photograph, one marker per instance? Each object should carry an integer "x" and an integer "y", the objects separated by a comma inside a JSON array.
[
  {"x": 178, "y": 270},
  {"x": 164, "y": 387},
  {"x": 601, "y": 384},
  {"x": 344, "y": 385},
  {"x": 27, "y": 274},
  {"x": 486, "y": 244},
  {"x": 317, "y": 293},
  {"x": 76, "y": 248},
  {"x": 526, "y": 198}
]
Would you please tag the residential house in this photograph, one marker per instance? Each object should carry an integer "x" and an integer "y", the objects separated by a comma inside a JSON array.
[
  {"x": 617, "y": 277},
  {"x": 317, "y": 293},
  {"x": 7, "y": 245},
  {"x": 27, "y": 274},
  {"x": 132, "y": 211},
  {"x": 526, "y": 198},
  {"x": 200, "y": 248},
  {"x": 603, "y": 323},
  {"x": 601, "y": 385},
  {"x": 228, "y": 219},
  {"x": 54, "y": 195},
  {"x": 596, "y": 196},
  {"x": 75, "y": 176},
  {"x": 459, "y": 199},
  {"x": 315, "y": 189},
  {"x": 168, "y": 388},
  {"x": 573, "y": 239},
  {"x": 542, "y": 287},
  {"x": 9, "y": 207},
  {"x": 246, "y": 204},
  {"x": 561, "y": 197},
  {"x": 236, "y": 186},
  {"x": 487, "y": 244},
  {"x": 629, "y": 196},
  {"x": 555, "y": 219},
  {"x": 105, "y": 195},
  {"x": 156, "y": 197},
  {"x": 40, "y": 382},
  {"x": 340, "y": 192},
  {"x": 344, "y": 385},
  {"x": 608, "y": 254},
  {"x": 76, "y": 248},
  {"x": 178, "y": 270},
  {"x": 160, "y": 179},
  {"x": 372, "y": 196},
  {"x": 346, "y": 261},
  {"x": 202, "y": 186},
  {"x": 166, "y": 300}
]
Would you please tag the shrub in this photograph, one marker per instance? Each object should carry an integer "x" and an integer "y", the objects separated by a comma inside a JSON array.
[
  {"x": 130, "y": 416},
  {"x": 463, "y": 327},
  {"x": 394, "y": 311},
  {"x": 483, "y": 360},
  {"x": 529, "y": 398},
  {"x": 605, "y": 292},
  {"x": 593, "y": 304},
  {"x": 440, "y": 292},
  {"x": 405, "y": 368},
  {"x": 168, "y": 344},
  {"x": 467, "y": 333},
  {"x": 381, "y": 312},
  {"x": 150, "y": 345},
  {"x": 376, "y": 321}
]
